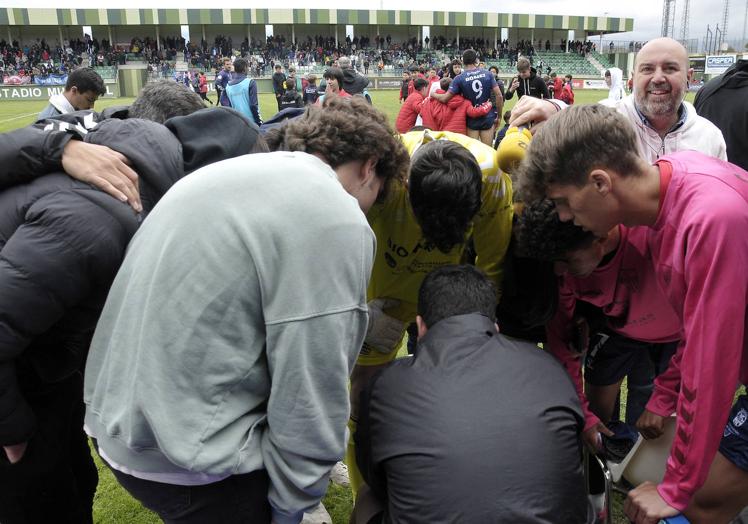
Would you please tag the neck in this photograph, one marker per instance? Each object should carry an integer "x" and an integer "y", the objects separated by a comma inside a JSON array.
[
  {"x": 662, "y": 124},
  {"x": 611, "y": 243},
  {"x": 641, "y": 197},
  {"x": 469, "y": 67}
]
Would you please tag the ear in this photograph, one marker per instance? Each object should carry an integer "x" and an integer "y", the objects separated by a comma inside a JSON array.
[
  {"x": 368, "y": 171},
  {"x": 602, "y": 181},
  {"x": 421, "y": 325}
]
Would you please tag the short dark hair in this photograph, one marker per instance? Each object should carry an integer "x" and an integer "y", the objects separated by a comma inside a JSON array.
[
  {"x": 240, "y": 65},
  {"x": 278, "y": 66},
  {"x": 469, "y": 56},
  {"x": 607, "y": 72},
  {"x": 454, "y": 290},
  {"x": 162, "y": 100},
  {"x": 419, "y": 83},
  {"x": 444, "y": 83},
  {"x": 444, "y": 187},
  {"x": 574, "y": 142},
  {"x": 569, "y": 77},
  {"x": 86, "y": 79},
  {"x": 542, "y": 236},
  {"x": 494, "y": 68},
  {"x": 334, "y": 73}
]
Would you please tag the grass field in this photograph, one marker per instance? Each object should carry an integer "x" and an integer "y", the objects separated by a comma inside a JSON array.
[
  {"x": 15, "y": 114},
  {"x": 112, "y": 503}
]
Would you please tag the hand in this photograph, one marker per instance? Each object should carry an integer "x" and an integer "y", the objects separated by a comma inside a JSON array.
[
  {"x": 650, "y": 425},
  {"x": 531, "y": 109},
  {"x": 103, "y": 168},
  {"x": 15, "y": 452},
  {"x": 383, "y": 332},
  {"x": 514, "y": 85},
  {"x": 592, "y": 438},
  {"x": 644, "y": 505}
]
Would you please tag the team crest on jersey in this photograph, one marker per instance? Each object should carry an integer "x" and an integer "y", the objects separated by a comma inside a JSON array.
[{"x": 740, "y": 418}]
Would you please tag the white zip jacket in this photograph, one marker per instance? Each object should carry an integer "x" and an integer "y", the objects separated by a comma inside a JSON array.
[{"x": 695, "y": 134}]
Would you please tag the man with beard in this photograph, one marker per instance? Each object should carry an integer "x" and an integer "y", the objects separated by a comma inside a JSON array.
[{"x": 663, "y": 120}]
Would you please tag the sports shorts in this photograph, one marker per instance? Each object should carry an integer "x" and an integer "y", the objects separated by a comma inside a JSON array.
[
  {"x": 611, "y": 357},
  {"x": 483, "y": 123},
  {"x": 734, "y": 444}
]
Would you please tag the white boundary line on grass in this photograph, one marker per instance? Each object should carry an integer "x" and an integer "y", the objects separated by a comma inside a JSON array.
[{"x": 17, "y": 117}]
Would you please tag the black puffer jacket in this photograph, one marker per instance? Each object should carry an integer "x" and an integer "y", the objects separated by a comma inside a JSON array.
[
  {"x": 62, "y": 241},
  {"x": 724, "y": 101}
]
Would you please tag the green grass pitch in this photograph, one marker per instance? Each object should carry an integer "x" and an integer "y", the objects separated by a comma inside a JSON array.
[{"x": 112, "y": 504}]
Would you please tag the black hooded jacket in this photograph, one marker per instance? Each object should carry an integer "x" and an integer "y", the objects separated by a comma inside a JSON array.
[
  {"x": 533, "y": 86},
  {"x": 354, "y": 83},
  {"x": 724, "y": 102},
  {"x": 62, "y": 241}
]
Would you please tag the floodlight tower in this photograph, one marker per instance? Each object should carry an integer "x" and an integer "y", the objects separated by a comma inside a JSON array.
[
  {"x": 685, "y": 22},
  {"x": 668, "y": 18},
  {"x": 725, "y": 16}
]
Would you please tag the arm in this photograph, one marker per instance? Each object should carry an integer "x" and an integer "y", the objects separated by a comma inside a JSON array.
[
  {"x": 499, "y": 101},
  {"x": 712, "y": 346},
  {"x": 310, "y": 381},
  {"x": 48, "y": 265},
  {"x": 253, "y": 103},
  {"x": 531, "y": 109},
  {"x": 559, "y": 333},
  {"x": 493, "y": 224},
  {"x": 478, "y": 111},
  {"x": 51, "y": 145},
  {"x": 443, "y": 97}
]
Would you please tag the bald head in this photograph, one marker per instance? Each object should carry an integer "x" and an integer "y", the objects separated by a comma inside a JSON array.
[
  {"x": 660, "y": 81},
  {"x": 663, "y": 46}
]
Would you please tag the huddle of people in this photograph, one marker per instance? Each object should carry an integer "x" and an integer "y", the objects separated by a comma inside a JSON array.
[{"x": 223, "y": 325}]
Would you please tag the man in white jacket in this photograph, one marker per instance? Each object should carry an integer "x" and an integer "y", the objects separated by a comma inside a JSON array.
[{"x": 664, "y": 121}]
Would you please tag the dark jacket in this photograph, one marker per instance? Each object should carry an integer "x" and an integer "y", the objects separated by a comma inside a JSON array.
[
  {"x": 476, "y": 427},
  {"x": 533, "y": 86},
  {"x": 291, "y": 99},
  {"x": 62, "y": 241},
  {"x": 724, "y": 101},
  {"x": 353, "y": 82},
  {"x": 278, "y": 87}
]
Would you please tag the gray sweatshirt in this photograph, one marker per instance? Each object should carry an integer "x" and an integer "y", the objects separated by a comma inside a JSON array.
[{"x": 229, "y": 334}]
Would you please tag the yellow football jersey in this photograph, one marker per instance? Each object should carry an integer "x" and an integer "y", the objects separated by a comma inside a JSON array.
[{"x": 403, "y": 258}]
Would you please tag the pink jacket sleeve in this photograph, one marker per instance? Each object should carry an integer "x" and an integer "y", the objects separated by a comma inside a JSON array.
[
  {"x": 559, "y": 332},
  {"x": 714, "y": 316}
]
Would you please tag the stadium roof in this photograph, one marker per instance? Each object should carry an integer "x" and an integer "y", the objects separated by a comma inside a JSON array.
[{"x": 18, "y": 16}]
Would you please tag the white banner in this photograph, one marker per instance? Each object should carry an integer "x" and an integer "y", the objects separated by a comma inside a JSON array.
[
  {"x": 718, "y": 64},
  {"x": 595, "y": 84}
]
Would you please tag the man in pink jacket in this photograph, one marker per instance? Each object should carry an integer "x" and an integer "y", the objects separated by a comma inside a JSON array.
[{"x": 696, "y": 210}]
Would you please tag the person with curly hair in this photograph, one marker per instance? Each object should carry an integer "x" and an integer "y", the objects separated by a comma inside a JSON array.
[
  {"x": 217, "y": 382},
  {"x": 455, "y": 191},
  {"x": 610, "y": 279}
]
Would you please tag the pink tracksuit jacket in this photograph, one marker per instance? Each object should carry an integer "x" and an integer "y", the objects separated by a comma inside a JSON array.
[{"x": 699, "y": 248}]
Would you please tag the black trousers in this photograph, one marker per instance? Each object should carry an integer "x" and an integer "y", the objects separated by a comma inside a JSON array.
[
  {"x": 233, "y": 500},
  {"x": 56, "y": 479}
]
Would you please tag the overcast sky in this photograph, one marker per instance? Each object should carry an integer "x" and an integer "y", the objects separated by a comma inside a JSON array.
[{"x": 647, "y": 14}]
